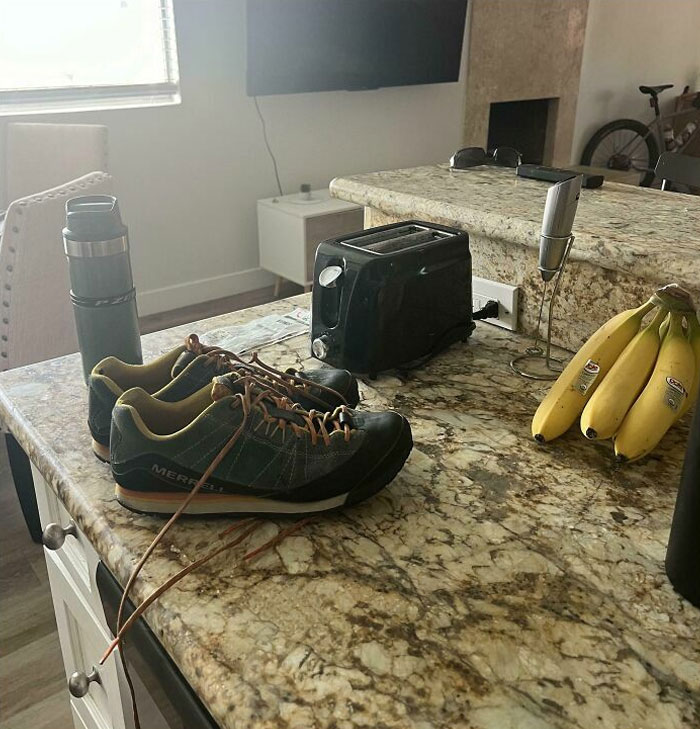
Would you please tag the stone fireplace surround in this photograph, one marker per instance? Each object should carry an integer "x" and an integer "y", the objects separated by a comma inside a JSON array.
[{"x": 525, "y": 49}]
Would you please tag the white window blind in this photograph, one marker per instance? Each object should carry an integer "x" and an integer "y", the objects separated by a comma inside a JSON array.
[{"x": 71, "y": 55}]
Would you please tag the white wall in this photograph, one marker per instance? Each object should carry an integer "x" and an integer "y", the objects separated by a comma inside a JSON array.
[
  {"x": 188, "y": 176},
  {"x": 628, "y": 43}
]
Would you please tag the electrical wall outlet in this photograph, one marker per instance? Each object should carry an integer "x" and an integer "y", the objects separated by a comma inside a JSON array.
[{"x": 484, "y": 291}]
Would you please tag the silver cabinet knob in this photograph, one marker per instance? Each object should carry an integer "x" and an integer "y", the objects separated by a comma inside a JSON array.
[
  {"x": 319, "y": 347},
  {"x": 79, "y": 682},
  {"x": 54, "y": 534},
  {"x": 329, "y": 276}
]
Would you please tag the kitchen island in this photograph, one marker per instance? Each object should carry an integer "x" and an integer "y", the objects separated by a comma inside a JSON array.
[
  {"x": 494, "y": 584},
  {"x": 629, "y": 240}
]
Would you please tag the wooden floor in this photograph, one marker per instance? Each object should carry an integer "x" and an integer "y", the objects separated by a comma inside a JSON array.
[
  {"x": 33, "y": 692},
  {"x": 156, "y": 322}
]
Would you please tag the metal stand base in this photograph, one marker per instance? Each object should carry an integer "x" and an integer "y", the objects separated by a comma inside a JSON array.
[
  {"x": 536, "y": 363},
  {"x": 535, "y": 366}
]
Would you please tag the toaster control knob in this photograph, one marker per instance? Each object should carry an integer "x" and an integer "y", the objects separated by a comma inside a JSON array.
[
  {"x": 329, "y": 276},
  {"x": 320, "y": 347}
]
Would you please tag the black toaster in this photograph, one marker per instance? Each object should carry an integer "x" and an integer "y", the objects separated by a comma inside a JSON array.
[{"x": 391, "y": 297}]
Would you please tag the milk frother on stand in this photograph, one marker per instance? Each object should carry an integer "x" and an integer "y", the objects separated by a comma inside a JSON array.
[{"x": 556, "y": 241}]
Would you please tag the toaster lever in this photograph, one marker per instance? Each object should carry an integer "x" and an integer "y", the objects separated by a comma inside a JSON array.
[{"x": 329, "y": 276}]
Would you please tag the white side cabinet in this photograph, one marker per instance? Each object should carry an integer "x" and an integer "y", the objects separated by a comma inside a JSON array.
[
  {"x": 71, "y": 563},
  {"x": 291, "y": 227}
]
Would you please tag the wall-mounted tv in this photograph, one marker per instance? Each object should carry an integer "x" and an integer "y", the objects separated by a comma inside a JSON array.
[{"x": 296, "y": 46}]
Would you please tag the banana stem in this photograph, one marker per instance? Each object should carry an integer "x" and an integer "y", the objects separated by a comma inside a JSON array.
[
  {"x": 644, "y": 309},
  {"x": 675, "y": 327},
  {"x": 663, "y": 329},
  {"x": 659, "y": 319}
]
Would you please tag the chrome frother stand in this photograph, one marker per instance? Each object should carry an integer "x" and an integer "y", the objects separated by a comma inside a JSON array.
[{"x": 556, "y": 241}]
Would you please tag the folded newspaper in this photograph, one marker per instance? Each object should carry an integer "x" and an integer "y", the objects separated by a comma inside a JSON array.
[{"x": 261, "y": 332}]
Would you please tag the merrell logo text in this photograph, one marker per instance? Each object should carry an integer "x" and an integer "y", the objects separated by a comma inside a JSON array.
[{"x": 180, "y": 478}]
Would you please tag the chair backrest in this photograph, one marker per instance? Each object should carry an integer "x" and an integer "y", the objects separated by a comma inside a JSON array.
[
  {"x": 42, "y": 156},
  {"x": 680, "y": 168},
  {"x": 36, "y": 316}
]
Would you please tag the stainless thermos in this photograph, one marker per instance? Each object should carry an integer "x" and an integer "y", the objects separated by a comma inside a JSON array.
[
  {"x": 96, "y": 243},
  {"x": 683, "y": 553}
]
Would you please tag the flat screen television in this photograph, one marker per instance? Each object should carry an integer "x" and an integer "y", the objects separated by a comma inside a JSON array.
[{"x": 296, "y": 46}]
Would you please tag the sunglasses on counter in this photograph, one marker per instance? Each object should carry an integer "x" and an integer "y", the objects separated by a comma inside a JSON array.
[{"x": 475, "y": 156}]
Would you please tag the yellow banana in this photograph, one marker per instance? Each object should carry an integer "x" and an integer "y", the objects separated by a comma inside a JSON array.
[
  {"x": 569, "y": 394},
  {"x": 657, "y": 407},
  {"x": 664, "y": 327},
  {"x": 607, "y": 407},
  {"x": 694, "y": 338}
]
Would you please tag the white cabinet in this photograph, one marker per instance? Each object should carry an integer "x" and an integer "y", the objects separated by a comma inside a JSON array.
[
  {"x": 83, "y": 641},
  {"x": 291, "y": 227},
  {"x": 82, "y": 628}
]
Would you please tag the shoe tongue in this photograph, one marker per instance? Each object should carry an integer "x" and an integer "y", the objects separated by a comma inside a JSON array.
[
  {"x": 225, "y": 386},
  {"x": 181, "y": 362}
]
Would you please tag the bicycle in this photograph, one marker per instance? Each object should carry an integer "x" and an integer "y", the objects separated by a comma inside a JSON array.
[{"x": 628, "y": 144}]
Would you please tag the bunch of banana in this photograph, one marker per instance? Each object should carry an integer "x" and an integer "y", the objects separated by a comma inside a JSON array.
[
  {"x": 579, "y": 380},
  {"x": 661, "y": 401},
  {"x": 628, "y": 384},
  {"x": 605, "y": 411}
]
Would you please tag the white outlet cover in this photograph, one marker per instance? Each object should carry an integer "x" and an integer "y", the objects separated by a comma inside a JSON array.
[{"x": 484, "y": 290}]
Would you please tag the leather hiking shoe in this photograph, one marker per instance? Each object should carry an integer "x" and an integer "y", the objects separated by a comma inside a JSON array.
[
  {"x": 186, "y": 369},
  {"x": 236, "y": 448}
]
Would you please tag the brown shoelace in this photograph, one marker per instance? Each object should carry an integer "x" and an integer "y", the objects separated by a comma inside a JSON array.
[
  {"x": 283, "y": 383},
  {"x": 256, "y": 395}
]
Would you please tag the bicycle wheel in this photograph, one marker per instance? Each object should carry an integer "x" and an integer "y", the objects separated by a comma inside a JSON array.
[{"x": 623, "y": 144}]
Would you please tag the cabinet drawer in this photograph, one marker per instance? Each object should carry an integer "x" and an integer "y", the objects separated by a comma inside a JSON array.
[
  {"x": 76, "y": 553},
  {"x": 83, "y": 641}
]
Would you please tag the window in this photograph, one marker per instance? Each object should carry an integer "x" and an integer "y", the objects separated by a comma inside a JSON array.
[{"x": 71, "y": 55}]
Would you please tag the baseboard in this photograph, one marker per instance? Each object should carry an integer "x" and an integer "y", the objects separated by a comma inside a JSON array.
[{"x": 176, "y": 296}]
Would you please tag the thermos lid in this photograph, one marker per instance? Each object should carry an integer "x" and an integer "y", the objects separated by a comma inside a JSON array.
[{"x": 94, "y": 227}]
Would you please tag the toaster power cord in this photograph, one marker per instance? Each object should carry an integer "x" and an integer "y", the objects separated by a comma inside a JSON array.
[{"x": 487, "y": 312}]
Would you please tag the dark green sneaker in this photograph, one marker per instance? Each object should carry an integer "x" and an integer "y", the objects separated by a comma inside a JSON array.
[
  {"x": 275, "y": 457},
  {"x": 185, "y": 370}
]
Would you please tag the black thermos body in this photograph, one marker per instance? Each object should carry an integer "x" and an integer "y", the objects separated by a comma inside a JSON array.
[
  {"x": 683, "y": 553},
  {"x": 96, "y": 243}
]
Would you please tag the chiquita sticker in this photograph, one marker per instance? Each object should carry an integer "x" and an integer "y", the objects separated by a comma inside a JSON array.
[
  {"x": 587, "y": 376},
  {"x": 675, "y": 393}
]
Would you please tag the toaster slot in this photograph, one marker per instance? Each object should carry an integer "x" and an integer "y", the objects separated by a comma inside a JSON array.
[
  {"x": 395, "y": 239},
  {"x": 407, "y": 241},
  {"x": 365, "y": 239}
]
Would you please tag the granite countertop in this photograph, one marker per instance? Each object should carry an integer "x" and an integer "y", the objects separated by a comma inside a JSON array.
[
  {"x": 495, "y": 584},
  {"x": 635, "y": 230}
]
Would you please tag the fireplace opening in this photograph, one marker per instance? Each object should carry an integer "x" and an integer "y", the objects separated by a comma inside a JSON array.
[{"x": 520, "y": 124}]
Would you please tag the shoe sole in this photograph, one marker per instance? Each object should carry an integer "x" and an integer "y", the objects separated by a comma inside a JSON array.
[
  {"x": 166, "y": 503},
  {"x": 101, "y": 451}
]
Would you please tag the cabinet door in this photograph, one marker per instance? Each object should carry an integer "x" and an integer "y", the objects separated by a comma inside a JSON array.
[
  {"x": 76, "y": 553},
  {"x": 83, "y": 641},
  {"x": 281, "y": 243},
  {"x": 327, "y": 226}
]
